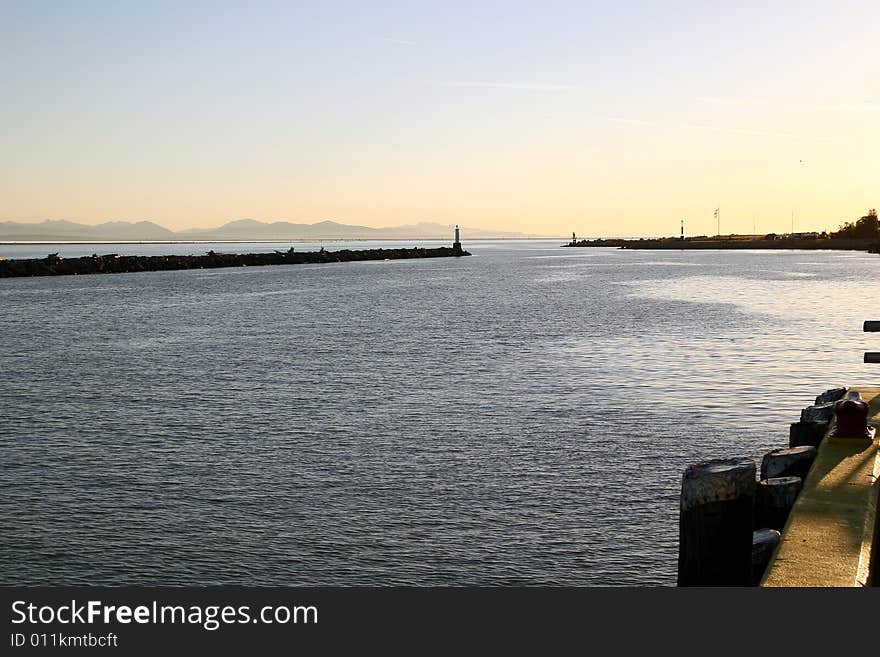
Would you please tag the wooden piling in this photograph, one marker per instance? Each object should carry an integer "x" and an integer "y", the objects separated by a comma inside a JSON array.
[
  {"x": 830, "y": 395},
  {"x": 806, "y": 433},
  {"x": 716, "y": 523},
  {"x": 818, "y": 413},
  {"x": 764, "y": 542},
  {"x": 773, "y": 500},
  {"x": 791, "y": 462}
]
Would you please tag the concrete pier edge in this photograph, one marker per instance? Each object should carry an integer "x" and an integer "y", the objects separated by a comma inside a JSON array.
[
  {"x": 830, "y": 532},
  {"x": 829, "y": 539}
]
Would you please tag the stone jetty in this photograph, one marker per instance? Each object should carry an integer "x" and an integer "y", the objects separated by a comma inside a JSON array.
[{"x": 54, "y": 265}]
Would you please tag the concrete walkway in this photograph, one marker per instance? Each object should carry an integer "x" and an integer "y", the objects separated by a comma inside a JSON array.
[{"x": 829, "y": 537}]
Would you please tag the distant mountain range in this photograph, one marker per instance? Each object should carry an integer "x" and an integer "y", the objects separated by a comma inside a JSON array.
[{"x": 242, "y": 229}]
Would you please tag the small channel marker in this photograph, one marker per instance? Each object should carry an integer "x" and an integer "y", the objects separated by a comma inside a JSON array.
[{"x": 872, "y": 327}]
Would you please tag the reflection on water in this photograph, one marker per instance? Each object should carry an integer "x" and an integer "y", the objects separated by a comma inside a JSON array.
[{"x": 500, "y": 419}]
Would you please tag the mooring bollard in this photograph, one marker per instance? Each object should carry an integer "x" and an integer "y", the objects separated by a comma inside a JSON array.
[
  {"x": 774, "y": 499},
  {"x": 852, "y": 417},
  {"x": 716, "y": 523},
  {"x": 791, "y": 462},
  {"x": 764, "y": 542}
]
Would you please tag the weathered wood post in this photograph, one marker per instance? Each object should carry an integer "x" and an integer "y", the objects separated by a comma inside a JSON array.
[
  {"x": 791, "y": 462},
  {"x": 830, "y": 395},
  {"x": 774, "y": 499},
  {"x": 806, "y": 433},
  {"x": 764, "y": 541},
  {"x": 716, "y": 523},
  {"x": 818, "y": 413},
  {"x": 814, "y": 420}
]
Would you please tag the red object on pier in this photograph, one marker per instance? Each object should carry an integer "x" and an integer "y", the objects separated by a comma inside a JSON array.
[{"x": 852, "y": 417}]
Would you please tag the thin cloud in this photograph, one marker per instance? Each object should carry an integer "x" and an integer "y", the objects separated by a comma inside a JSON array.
[
  {"x": 743, "y": 131},
  {"x": 727, "y": 101},
  {"x": 712, "y": 128},
  {"x": 794, "y": 107},
  {"x": 621, "y": 119},
  {"x": 522, "y": 86},
  {"x": 861, "y": 107},
  {"x": 400, "y": 42}
]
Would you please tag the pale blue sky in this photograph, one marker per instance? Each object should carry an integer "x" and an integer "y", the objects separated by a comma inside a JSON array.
[{"x": 545, "y": 117}]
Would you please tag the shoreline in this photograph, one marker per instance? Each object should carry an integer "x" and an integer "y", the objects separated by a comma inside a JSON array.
[
  {"x": 53, "y": 265},
  {"x": 781, "y": 244}
]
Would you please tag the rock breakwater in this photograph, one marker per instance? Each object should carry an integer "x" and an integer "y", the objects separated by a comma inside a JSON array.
[{"x": 53, "y": 265}]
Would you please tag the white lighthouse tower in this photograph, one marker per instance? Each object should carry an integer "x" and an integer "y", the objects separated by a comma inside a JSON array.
[{"x": 456, "y": 245}]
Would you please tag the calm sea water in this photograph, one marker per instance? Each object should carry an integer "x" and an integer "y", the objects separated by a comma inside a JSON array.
[{"x": 522, "y": 416}]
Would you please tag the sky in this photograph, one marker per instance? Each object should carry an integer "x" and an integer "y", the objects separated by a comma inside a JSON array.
[{"x": 600, "y": 118}]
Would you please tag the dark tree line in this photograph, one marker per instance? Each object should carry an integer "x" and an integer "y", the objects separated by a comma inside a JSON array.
[{"x": 866, "y": 227}]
